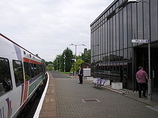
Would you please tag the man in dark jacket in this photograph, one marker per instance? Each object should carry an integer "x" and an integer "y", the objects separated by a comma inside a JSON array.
[{"x": 80, "y": 75}]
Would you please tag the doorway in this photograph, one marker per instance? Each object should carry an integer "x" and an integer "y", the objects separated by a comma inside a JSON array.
[{"x": 142, "y": 60}]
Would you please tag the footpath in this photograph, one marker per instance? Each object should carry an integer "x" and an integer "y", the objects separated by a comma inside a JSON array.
[
  {"x": 65, "y": 98},
  {"x": 130, "y": 94}
]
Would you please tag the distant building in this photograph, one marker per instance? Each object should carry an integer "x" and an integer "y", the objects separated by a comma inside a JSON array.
[
  {"x": 113, "y": 55},
  {"x": 86, "y": 65}
]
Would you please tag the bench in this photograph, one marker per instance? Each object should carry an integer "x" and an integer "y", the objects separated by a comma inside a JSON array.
[{"x": 99, "y": 82}]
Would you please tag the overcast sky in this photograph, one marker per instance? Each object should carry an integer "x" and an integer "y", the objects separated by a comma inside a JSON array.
[{"x": 47, "y": 27}]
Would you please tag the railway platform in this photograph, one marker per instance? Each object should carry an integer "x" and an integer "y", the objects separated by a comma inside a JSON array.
[{"x": 65, "y": 98}]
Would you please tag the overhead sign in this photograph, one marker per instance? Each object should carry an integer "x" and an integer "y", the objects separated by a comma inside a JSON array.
[{"x": 140, "y": 40}]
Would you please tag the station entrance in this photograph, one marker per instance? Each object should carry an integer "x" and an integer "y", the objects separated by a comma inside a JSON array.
[{"x": 141, "y": 59}]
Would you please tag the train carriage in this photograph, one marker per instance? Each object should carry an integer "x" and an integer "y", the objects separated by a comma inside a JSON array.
[{"x": 21, "y": 75}]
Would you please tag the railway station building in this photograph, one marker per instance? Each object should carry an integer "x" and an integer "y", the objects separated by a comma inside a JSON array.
[{"x": 113, "y": 54}]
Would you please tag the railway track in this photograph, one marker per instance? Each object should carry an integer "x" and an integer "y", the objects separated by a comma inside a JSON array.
[{"x": 30, "y": 108}]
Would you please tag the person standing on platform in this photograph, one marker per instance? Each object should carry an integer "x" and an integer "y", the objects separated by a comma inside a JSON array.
[
  {"x": 142, "y": 77},
  {"x": 80, "y": 75}
]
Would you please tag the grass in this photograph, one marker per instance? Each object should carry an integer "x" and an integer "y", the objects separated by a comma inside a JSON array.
[{"x": 65, "y": 72}]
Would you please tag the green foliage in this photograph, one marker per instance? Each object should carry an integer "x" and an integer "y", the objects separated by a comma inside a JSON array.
[
  {"x": 75, "y": 66},
  {"x": 47, "y": 63},
  {"x": 57, "y": 62},
  {"x": 86, "y": 56},
  {"x": 49, "y": 67},
  {"x": 64, "y": 61},
  {"x": 65, "y": 73}
]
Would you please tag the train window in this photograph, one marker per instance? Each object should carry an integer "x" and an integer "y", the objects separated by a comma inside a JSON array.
[
  {"x": 32, "y": 70},
  {"x": 38, "y": 69},
  {"x": 35, "y": 69},
  {"x": 5, "y": 76},
  {"x": 18, "y": 72},
  {"x": 41, "y": 68},
  {"x": 27, "y": 71}
]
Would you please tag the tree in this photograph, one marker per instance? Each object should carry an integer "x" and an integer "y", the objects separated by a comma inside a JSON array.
[
  {"x": 66, "y": 60},
  {"x": 63, "y": 62},
  {"x": 75, "y": 65},
  {"x": 49, "y": 67},
  {"x": 48, "y": 62},
  {"x": 86, "y": 56},
  {"x": 57, "y": 62},
  {"x": 66, "y": 63}
]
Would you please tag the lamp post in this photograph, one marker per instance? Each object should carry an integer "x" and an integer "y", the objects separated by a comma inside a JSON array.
[
  {"x": 64, "y": 62},
  {"x": 149, "y": 60},
  {"x": 76, "y": 53}
]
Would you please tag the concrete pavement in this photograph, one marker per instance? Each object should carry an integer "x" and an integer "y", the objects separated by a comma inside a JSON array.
[{"x": 73, "y": 100}]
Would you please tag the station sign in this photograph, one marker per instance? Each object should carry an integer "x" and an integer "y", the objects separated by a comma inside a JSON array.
[{"x": 140, "y": 40}]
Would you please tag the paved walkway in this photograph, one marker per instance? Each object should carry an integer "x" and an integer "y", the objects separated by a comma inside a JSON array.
[
  {"x": 49, "y": 103},
  {"x": 73, "y": 100}
]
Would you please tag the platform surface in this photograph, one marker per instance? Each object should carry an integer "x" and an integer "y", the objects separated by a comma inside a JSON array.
[{"x": 66, "y": 98}]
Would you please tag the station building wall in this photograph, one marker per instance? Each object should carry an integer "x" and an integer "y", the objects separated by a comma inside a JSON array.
[{"x": 113, "y": 55}]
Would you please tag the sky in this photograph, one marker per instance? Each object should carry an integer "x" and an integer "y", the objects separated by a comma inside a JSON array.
[{"x": 48, "y": 27}]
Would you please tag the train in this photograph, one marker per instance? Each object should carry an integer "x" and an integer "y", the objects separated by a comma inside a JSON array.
[{"x": 22, "y": 73}]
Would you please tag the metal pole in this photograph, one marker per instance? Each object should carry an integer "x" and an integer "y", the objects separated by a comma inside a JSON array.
[
  {"x": 149, "y": 79},
  {"x": 75, "y": 58},
  {"x": 76, "y": 55},
  {"x": 64, "y": 62},
  {"x": 149, "y": 61}
]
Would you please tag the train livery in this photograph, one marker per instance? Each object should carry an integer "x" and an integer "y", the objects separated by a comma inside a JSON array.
[{"x": 21, "y": 75}]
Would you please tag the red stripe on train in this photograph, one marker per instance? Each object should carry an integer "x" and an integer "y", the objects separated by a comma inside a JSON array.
[{"x": 31, "y": 61}]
